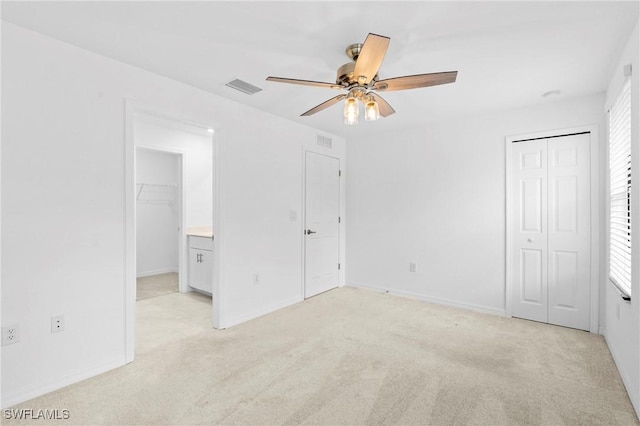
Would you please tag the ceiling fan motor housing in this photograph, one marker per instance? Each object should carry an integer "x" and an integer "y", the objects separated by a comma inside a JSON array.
[
  {"x": 345, "y": 75},
  {"x": 353, "y": 51}
]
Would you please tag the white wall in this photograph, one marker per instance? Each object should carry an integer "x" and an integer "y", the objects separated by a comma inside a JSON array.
[
  {"x": 622, "y": 323},
  {"x": 63, "y": 204},
  {"x": 435, "y": 195},
  {"x": 157, "y": 212},
  {"x": 262, "y": 171}
]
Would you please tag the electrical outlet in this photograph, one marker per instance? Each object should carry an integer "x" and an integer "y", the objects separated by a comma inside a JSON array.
[
  {"x": 57, "y": 323},
  {"x": 10, "y": 334},
  {"x": 412, "y": 267},
  {"x": 256, "y": 279}
]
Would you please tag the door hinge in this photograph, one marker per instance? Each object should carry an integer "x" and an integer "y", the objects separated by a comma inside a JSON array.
[
  {"x": 339, "y": 172},
  {"x": 338, "y": 219},
  {"x": 338, "y": 266}
]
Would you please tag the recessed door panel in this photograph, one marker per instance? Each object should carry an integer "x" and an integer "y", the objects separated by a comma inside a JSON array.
[
  {"x": 565, "y": 203},
  {"x": 531, "y": 204},
  {"x": 565, "y": 156},
  {"x": 531, "y": 159},
  {"x": 566, "y": 277},
  {"x": 531, "y": 276}
]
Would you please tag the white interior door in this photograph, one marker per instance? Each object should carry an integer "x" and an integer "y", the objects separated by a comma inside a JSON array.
[
  {"x": 551, "y": 227},
  {"x": 569, "y": 231},
  {"x": 529, "y": 222},
  {"x": 322, "y": 211}
]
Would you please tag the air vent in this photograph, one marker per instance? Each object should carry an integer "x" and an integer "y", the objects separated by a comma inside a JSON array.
[
  {"x": 324, "y": 141},
  {"x": 243, "y": 86}
]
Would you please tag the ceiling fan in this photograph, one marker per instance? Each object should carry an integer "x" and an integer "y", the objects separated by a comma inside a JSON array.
[{"x": 360, "y": 79}]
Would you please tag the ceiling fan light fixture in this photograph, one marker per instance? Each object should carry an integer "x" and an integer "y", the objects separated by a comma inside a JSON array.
[
  {"x": 351, "y": 110},
  {"x": 371, "y": 110},
  {"x": 361, "y": 76}
]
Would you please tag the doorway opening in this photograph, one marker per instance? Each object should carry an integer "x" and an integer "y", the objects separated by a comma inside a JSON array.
[
  {"x": 170, "y": 187},
  {"x": 158, "y": 222}
]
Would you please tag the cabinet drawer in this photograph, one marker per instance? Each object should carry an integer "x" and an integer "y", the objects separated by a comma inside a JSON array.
[{"x": 202, "y": 243}]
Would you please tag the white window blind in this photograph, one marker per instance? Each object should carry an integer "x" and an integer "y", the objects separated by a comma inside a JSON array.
[{"x": 620, "y": 190}]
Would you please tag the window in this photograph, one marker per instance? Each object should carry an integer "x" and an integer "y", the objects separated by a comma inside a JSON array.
[{"x": 620, "y": 190}]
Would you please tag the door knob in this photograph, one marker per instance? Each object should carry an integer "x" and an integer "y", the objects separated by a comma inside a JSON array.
[
  {"x": 530, "y": 240},
  {"x": 309, "y": 232}
]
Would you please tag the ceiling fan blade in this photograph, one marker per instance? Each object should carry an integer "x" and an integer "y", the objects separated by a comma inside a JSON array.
[
  {"x": 383, "y": 106},
  {"x": 325, "y": 104},
  {"x": 305, "y": 82},
  {"x": 371, "y": 56},
  {"x": 415, "y": 81}
]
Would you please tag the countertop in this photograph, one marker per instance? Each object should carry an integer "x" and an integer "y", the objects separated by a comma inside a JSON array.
[{"x": 200, "y": 231}]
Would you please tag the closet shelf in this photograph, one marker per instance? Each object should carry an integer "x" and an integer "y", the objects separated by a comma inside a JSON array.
[{"x": 156, "y": 193}]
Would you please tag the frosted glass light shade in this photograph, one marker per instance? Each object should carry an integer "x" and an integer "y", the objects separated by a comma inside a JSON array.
[
  {"x": 351, "y": 120},
  {"x": 371, "y": 110},
  {"x": 351, "y": 111}
]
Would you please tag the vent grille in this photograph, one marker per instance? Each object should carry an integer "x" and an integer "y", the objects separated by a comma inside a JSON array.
[
  {"x": 243, "y": 86},
  {"x": 324, "y": 141}
]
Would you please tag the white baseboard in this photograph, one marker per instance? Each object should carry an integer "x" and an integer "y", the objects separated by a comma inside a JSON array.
[
  {"x": 70, "y": 379},
  {"x": 227, "y": 323},
  {"x": 156, "y": 272},
  {"x": 434, "y": 300}
]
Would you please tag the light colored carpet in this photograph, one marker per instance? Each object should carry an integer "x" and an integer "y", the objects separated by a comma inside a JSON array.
[
  {"x": 353, "y": 357},
  {"x": 156, "y": 285},
  {"x": 163, "y": 320}
]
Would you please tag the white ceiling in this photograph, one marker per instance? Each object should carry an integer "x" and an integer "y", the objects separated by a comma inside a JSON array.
[{"x": 507, "y": 53}]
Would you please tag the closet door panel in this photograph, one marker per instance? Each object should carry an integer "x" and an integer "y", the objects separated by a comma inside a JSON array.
[
  {"x": 569, "y": 231},
  {"x": 529, "y": 230}
]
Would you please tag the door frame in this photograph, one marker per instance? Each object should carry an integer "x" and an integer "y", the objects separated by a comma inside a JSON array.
[
  {"x": 595, "y": 226},
  {"x": 303, "y": 218},
  {"x": 182, "y": 208},
  {"x": 132, "y": 107}
]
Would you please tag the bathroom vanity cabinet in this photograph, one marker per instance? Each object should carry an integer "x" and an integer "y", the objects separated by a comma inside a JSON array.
[{"x": 201, "y": 263}]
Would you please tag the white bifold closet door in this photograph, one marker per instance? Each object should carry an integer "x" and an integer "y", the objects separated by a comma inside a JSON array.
[{"x": 551, "y": 228}]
